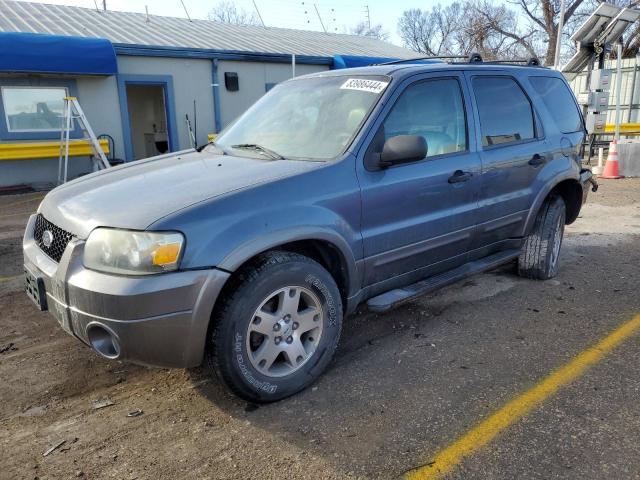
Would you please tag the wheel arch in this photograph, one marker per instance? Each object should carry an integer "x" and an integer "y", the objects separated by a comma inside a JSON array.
[
  {"x": 570, "y": 190},
  {"x": 327, "y": 248}
]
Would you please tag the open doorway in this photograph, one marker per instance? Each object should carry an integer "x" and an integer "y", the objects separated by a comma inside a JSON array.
[{"x": 147, "y": 109}]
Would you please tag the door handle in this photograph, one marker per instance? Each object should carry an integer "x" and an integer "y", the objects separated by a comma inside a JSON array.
[
  {"x": 537, "y": 160},
  {"x": 460, "y": 176}
]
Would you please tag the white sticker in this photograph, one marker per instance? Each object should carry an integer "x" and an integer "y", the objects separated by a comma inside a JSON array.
[{"x": 364, "y": 85}]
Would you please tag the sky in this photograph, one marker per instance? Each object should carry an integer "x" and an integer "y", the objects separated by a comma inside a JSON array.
[{"x": 336, "y": 15}]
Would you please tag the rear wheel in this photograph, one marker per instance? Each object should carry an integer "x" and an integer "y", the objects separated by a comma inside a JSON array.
[
  {"x": 277, "y": 331},
  {"x": 541, "y": 252}
]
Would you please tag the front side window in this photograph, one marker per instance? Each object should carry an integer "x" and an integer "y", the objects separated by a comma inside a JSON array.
[
  {"x": 505, "y": 112},
  {"x": 434, "y": 110},
  {"x": 559, "y": 100},
  {"x": 309, "y": 118},
  {"x": 33, "y": 109}
]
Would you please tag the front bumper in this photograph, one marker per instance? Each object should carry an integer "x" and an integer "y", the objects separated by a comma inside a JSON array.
[{"x": 157, "y": 320}]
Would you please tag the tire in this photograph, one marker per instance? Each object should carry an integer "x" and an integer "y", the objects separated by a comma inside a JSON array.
[
  {"x": 541, "y": 251},
  {"x": 284, "y": 291}
]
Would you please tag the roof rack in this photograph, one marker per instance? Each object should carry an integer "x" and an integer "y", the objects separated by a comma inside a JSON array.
[
  {"x": 473, "y": 58},
  {"x": 431, "y": 57}
]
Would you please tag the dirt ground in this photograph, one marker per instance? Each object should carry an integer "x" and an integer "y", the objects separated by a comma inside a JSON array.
[{"x": 403, "y": 385}]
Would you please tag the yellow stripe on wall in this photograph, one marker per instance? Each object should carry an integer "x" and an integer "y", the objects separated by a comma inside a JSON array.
[{"x": 38, "y": 150}]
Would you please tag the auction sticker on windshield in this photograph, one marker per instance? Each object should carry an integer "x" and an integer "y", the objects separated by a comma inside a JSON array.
[{"x": 364, "y": 85}]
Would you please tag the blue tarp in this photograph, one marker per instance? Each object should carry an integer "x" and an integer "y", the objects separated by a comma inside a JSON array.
[
  {"x": 351, "y": 61},
  {"x": 38, "y": 53}
]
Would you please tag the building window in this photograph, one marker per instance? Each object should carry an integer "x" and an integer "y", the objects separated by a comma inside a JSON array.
[{"x": 33, "y": 109}]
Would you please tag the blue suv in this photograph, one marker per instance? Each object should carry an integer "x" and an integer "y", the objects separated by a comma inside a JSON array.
[{"x": 372, "y": 185}]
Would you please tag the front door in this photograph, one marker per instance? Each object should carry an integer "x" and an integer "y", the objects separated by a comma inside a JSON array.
[
  {"x": 419, "y": 217},
  {"x": 148, "y": 120}
]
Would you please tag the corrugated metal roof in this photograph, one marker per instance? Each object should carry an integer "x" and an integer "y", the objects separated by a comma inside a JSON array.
[{"x": 133, "y": 29}]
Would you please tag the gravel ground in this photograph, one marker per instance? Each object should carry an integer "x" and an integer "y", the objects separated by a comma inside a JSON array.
[{"x": 403, "y": 385}]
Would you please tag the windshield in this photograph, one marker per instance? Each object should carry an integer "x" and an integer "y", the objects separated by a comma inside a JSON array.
[{"x": 311, "y": 118}]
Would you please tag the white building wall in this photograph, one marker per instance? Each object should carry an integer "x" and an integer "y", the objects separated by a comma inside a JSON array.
[
  {"x": 192, "y": 80},
  {"x": 252, "y": 80}
]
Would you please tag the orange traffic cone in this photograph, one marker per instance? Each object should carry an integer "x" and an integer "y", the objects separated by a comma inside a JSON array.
[{"x": 611, "y": 168}]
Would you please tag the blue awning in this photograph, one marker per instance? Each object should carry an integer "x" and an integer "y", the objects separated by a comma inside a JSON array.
[
  {"x": 38, "y": 53},
  {"x": 351, "y": 61}
]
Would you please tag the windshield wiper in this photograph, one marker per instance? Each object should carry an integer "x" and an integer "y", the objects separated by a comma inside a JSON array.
[
  {"x": 259, "y": 148},
  {"x": 214, "y": 145}
]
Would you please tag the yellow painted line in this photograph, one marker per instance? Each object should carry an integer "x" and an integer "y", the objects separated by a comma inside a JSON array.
[
  {"x": 446, "y": 460},
  {"x": 38, "y": 150},
  {"x": 624, "y": 127},
  {"x": 6, "y": 279}
]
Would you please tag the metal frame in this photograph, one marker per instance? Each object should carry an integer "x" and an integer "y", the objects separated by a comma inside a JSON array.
[{"x": 166, "y": 81}]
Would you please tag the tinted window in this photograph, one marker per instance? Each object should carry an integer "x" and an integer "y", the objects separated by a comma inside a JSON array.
[
  {"x": 505, "y": 111},
  {"x": 559, "y": 101},
  {"x": 433, "y": 110}
]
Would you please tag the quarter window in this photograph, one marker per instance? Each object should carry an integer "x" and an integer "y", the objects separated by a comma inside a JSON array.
[
  {"x": 559, "y": 101},
  {"x": 434, "y": 110},
  {"x": 33, "y": 109},
  {"x": 505, "y": 111}
]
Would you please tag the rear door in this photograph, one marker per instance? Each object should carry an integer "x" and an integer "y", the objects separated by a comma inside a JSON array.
[
  {"x": 513, "y": 151},
  {"x": 421, "y": 214}
]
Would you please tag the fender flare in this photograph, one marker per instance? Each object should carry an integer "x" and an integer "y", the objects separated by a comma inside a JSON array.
[
  {"x": 540, "y": 198},
  {"x": 241, "y": 254}
]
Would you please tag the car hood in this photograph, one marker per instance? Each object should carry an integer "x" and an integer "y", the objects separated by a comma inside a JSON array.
[{"x": 135, "y": 195}]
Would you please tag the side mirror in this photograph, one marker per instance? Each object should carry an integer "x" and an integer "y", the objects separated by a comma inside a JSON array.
[{"x": 402, "y": 149}]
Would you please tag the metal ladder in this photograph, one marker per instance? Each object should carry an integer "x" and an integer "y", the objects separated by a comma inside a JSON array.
[{"x": 73, "y": 111}]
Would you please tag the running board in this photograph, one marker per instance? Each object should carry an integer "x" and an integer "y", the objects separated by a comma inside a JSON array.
[{"x": 394, "y": 297}]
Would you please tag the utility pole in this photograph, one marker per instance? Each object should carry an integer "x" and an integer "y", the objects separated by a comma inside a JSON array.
[
  {"x": 320, "y": 18},
  {"x": 258, "y": 12},
  {"x": 556, "y": 60},
  {"x": 185, "y": 10}
]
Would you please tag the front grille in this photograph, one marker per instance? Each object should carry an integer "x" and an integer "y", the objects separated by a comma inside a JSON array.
[{"x": 60, "y": 238}]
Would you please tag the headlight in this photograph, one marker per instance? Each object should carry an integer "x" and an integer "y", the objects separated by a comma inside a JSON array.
[{"x": 132, "y": 253}]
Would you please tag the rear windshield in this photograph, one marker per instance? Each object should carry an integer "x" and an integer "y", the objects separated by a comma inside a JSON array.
[
  {"x": 309, "y": 118},
  {"x": 559, "y": 101}
]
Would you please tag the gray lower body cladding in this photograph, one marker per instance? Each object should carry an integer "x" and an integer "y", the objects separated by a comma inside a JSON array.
[{"x": 159, "y": 320}]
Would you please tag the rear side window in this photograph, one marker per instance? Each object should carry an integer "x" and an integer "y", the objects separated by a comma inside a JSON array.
[
  {"x": 559, "y": 101},
  {"x": 505, "y": 112}
]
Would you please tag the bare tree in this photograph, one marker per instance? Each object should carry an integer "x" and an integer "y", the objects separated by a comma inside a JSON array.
[
  {"x": 494, "y": 31},
  {"x": 227, "y": 12},
  {"x": 465, "y": 27},
  {"x": 543, "y": 15},
  {"x": 431, "y": 31},
  {"x": 374, "y": 31}
]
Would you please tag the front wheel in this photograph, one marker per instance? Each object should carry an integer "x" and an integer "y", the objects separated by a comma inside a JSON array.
[
  {"x": 277, "y": 329},
  {"x": 541, "y": 252}
]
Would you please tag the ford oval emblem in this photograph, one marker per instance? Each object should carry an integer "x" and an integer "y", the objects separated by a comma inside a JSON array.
[{"x": 47, "y": 238}]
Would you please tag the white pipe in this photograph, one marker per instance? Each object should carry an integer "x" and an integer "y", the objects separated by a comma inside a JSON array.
[
  {"x": 293, "y": 65},
  {"x": 618, "y": 90}
]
